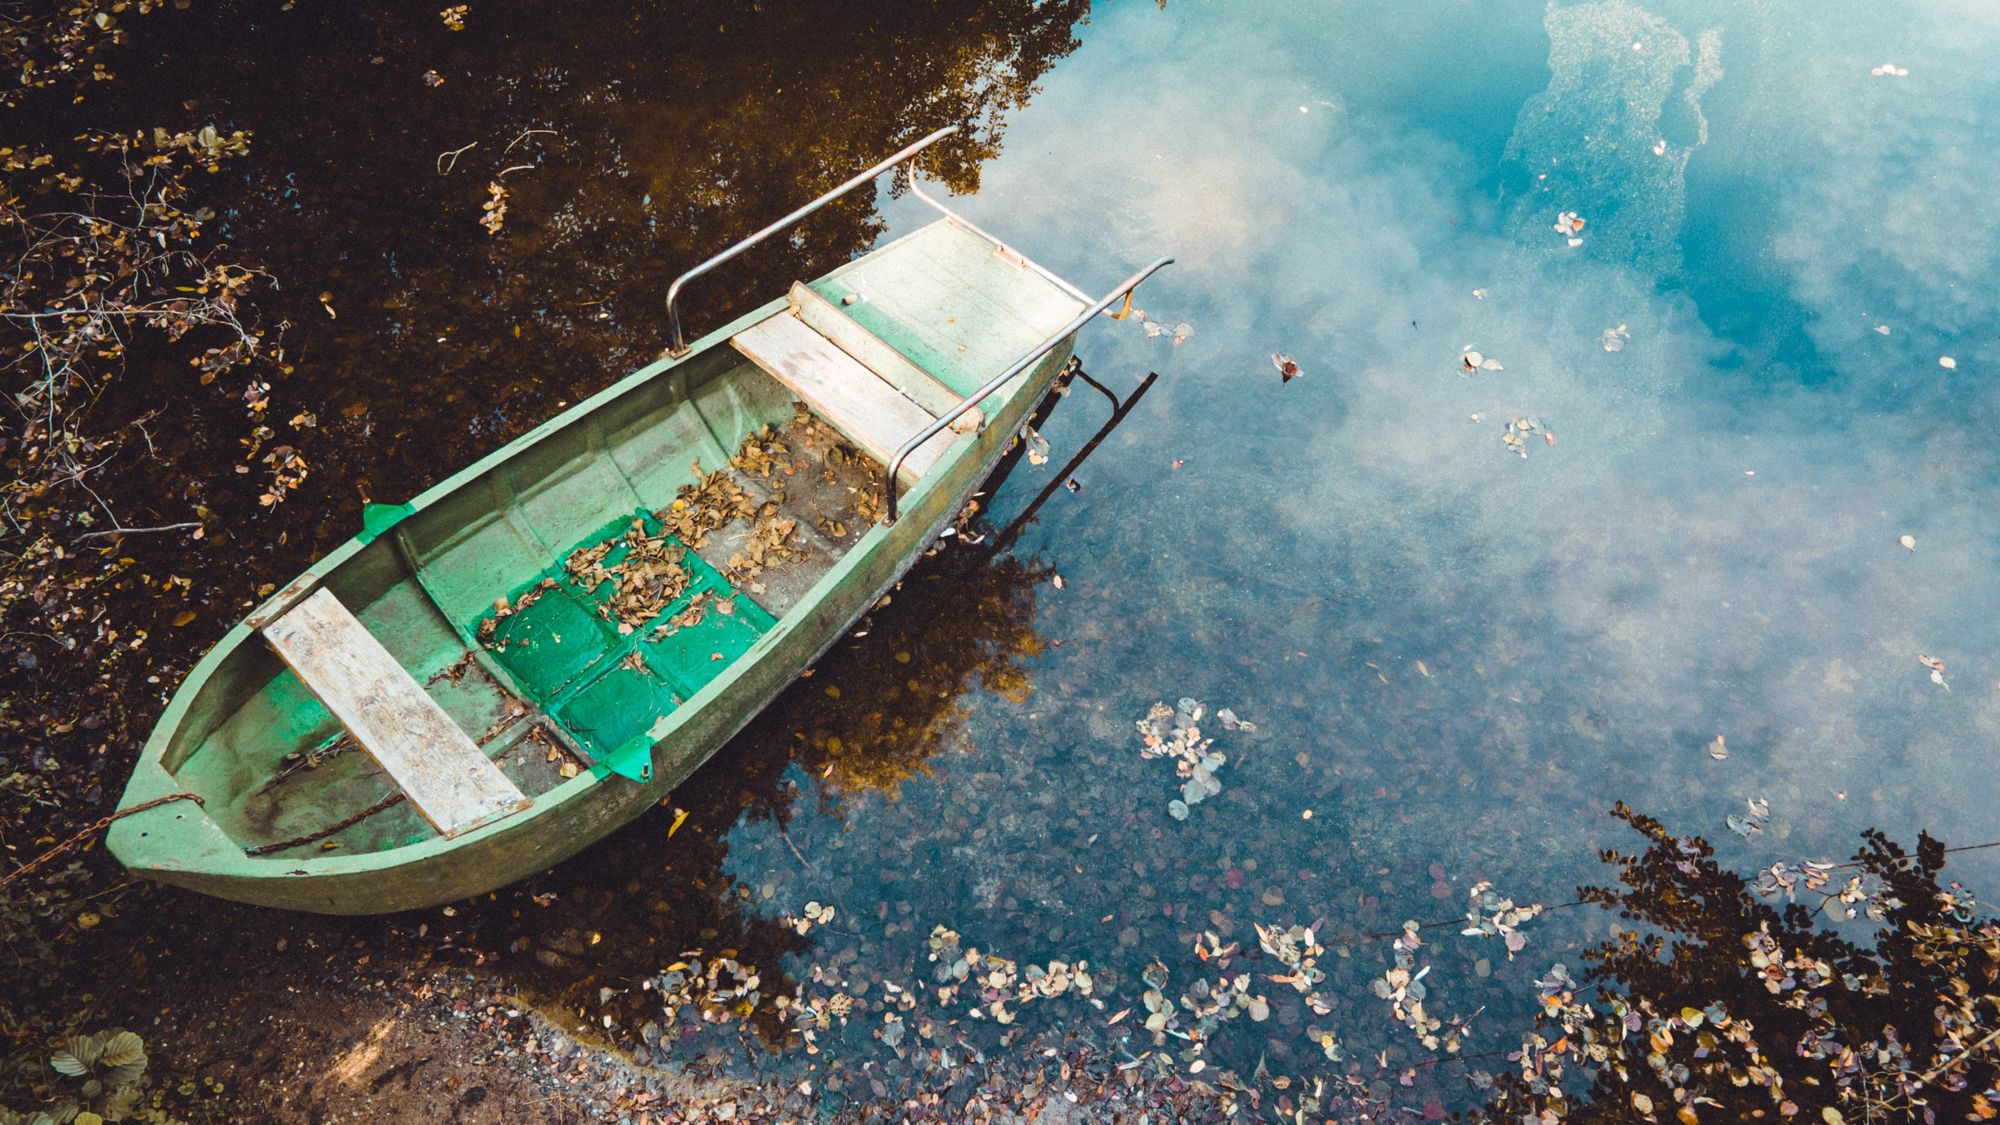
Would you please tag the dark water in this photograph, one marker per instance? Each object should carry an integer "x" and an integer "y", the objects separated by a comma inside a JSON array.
[{"x": 1456, "y": 658}]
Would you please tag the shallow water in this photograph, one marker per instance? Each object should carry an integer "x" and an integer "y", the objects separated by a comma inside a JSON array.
[{"x": 1456, "y": 657}]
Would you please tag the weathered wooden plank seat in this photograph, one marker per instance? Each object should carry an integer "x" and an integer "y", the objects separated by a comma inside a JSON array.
[
  {"x": 447, "y": 778},
  {"x": 856, "y": 401},
  {"x": 847, "y": 334}
]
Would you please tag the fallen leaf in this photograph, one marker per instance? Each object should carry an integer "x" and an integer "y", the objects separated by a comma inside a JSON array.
[
  {"x": 1288, "y": 368},
  {"x": 1718, "y": 749},
  {"x": 1909, "y": 542}
]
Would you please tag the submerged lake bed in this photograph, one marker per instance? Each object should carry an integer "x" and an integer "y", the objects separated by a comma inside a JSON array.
[{"x": 1553, "y": 408}]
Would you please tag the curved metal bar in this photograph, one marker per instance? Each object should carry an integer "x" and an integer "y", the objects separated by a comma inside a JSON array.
[
  {"x": 1018, "y": 366},
  {"x": 680, "y": 347}
]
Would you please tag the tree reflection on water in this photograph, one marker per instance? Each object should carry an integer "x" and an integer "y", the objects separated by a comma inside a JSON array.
[{"x": 1722, "y": 1004}]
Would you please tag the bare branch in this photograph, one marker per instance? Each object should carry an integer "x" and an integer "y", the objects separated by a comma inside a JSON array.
[
  {"x": 136, "y": 530},
  {"x": 444, "y": 168}
]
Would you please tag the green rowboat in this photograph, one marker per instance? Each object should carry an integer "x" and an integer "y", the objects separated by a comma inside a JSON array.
[{"x": 528, "y": 655}]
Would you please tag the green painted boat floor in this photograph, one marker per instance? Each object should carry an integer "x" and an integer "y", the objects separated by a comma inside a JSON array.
[{"x": 605, "y": 682}]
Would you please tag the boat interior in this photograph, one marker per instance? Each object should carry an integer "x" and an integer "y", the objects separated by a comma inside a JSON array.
[{"x": 537, "y": 619}]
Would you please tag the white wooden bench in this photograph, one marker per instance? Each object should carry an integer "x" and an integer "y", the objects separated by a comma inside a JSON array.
[
  {"x": 876, "y": 354},
  {"x": 446, "y": 778},
  {"x": 862, "y": 405}
]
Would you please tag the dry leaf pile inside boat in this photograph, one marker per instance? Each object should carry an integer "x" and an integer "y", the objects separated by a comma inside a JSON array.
[{"x": 651, "y": 576}]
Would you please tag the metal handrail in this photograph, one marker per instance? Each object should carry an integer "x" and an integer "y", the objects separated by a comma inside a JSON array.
[
  {"x": 1020, "y": 365},
  {"x": 680, "y": 346}
]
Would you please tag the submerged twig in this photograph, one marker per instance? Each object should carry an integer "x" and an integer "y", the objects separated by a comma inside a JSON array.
[
  {"x": 444, "y": 169},
  {"x": 795, "y": 848},
  {"x": 525, "y": 134}
]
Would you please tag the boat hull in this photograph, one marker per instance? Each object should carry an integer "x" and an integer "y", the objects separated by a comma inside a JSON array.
[{"x": 176, "y": 843}]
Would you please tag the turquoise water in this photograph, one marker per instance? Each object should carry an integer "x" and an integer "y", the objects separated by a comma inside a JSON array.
[{"x": 1455, "y": 658}]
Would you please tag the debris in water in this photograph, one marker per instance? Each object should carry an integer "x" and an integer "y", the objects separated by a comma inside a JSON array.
[
  {"x": 1909, "y": 542},
  {"x": 1937, "y": 669},
  {"x": 1948, "y": 363},
  {"x": 494, "y": 210},
  {"x": 1471, "y": 360},
  {"x": 1569, "y": 224},
  {"x": 1179, "y": 332},
  {"x": 1718, "y": 749},
  {"x": 1515, "y": 436},
  {"x": 1038, "y": 446},
  {"x": 1490, "y": 915},
  {"x": 1614, "y": 338},
  {"x": 1172, "y": 732},
  {"x": 1288, "y": 368},
  {"x": 1229, "y": 721},
  {"x": 1889, "y": 70}
]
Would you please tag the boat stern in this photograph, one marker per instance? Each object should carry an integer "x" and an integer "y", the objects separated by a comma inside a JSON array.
[{"x": 164, "y": 832}]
